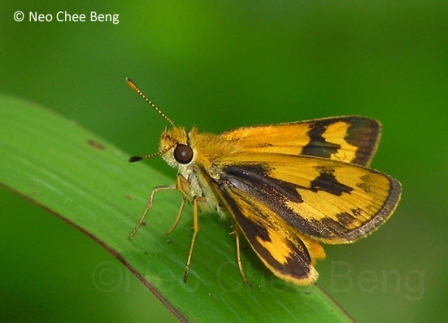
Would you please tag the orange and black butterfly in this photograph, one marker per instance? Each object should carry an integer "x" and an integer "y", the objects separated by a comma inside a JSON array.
[{"x": 287, "y": 187}]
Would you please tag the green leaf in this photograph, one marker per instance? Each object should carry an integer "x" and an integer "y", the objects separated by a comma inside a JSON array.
[{"x": 88, "y": 183}]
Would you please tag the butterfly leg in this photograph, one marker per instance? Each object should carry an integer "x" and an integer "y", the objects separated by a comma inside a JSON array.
[
  {"x": 182, "y": 185},
  {"x": 238, "y": 255},
  {"x": 148, "y": 207},
  {"x": 193, "y": 238},
  {"x": 179, "y": 214}
]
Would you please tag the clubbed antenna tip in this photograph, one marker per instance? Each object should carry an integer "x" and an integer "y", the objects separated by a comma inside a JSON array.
[{"x": 135, "y": 158}]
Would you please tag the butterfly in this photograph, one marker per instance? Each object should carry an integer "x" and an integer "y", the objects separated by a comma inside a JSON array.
[{"x": 287, "y": 188}]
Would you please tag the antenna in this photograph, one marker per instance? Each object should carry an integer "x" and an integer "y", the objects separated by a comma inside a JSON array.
[
  {"x": 136, "y": 89},
  {"x": 138, "y": 158}
]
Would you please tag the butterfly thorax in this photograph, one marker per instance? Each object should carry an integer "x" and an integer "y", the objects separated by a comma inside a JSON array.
[{"x": 206, "y": 148}]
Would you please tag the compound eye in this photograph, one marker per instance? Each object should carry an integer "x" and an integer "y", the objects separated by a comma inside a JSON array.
[{"x": 183, "y": 154}]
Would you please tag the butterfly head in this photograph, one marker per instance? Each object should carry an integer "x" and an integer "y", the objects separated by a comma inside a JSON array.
[{"x": 174, "y": 147}]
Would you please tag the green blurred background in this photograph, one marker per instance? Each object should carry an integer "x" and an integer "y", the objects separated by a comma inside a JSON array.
[{"x": 222, "y": 65}]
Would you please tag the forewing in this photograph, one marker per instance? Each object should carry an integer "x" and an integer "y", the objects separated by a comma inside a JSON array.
[
  {"x": 330, "y": 201},
  {"x": 350, "y": 139}
]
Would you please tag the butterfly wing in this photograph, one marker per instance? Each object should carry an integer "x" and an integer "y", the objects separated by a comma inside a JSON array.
[
  {"x": 349, "y": 139},
  {"x": 329, "y": 201},
  {"x": 287, "y": 253},
  {"x": 285, "y": 205}
]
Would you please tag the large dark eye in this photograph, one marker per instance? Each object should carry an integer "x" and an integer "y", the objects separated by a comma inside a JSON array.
[{"x": 183, "y": 154}]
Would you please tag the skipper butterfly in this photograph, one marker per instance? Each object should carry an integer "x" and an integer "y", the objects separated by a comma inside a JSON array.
[{"x": 287, "y": 188}]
